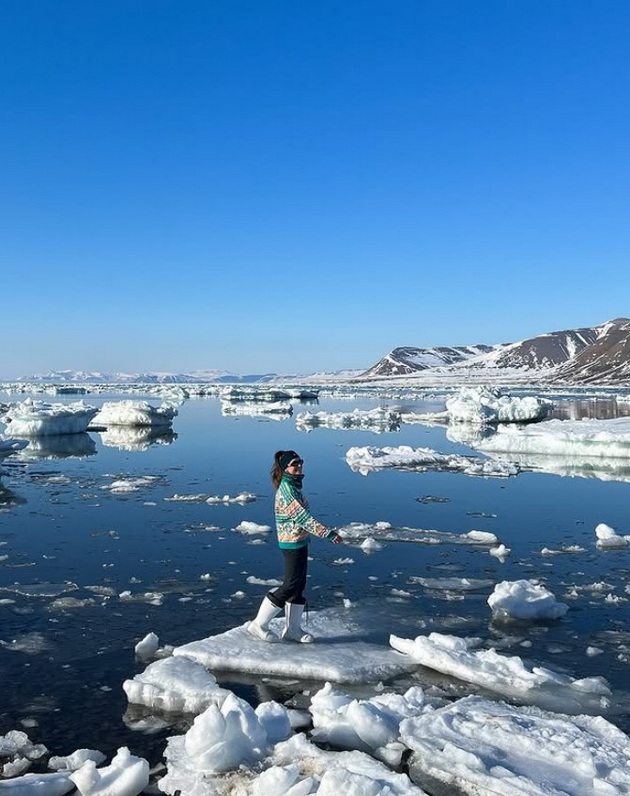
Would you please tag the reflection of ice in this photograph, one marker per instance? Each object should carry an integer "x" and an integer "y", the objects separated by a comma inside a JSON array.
[
  {"x": 8, "y": 497},
  {"x": 468, "y": 433},
  {"x": 129, "y": 438},
  {"x": 570, "y": 466},
  {"x": 59, "y": 446}
]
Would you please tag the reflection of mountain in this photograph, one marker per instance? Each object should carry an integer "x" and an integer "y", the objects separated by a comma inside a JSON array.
[
  {"x": 134, "y": 438},
  {"x": 59, "y": 446}
]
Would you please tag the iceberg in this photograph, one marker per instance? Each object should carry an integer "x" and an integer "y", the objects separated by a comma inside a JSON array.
[
  {"x": 38, "y": 419},
  {"x": 482, "y": 405},
  {"x": 134, "y": 413}
]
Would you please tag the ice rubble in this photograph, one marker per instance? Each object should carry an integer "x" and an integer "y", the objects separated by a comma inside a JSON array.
[
  {"x": 134, "y": 414},
  {"x": 377, "y": 420},
  {"x": 367, "y": 459},
  {"x": 524, "y": 599},
  {"x": 38, "y": 419},
  {"x": 482, "y": 405}
]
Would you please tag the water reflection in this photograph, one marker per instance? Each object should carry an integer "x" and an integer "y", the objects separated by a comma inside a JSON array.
[
  {"x": 128, "y": 438},
  {"x": 10, "y": 498},
  {"x": 58, "y": 446}
]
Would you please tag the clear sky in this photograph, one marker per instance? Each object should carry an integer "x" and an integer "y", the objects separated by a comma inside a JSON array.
[{"x": 292, "y": 186}]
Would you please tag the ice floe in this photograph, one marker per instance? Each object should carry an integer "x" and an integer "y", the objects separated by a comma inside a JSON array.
[
  {"x": 482, "y": 405},
  {"x": 608, "y": 538},
  {"x": 365, "y": 460},
  {"x": 133, "y": 413},
  {"x": 9, "y": 445},
  {"x": 377, "y": 420},
  {"x": 281, "y": 410},
  {"x": 385, "y": 531},
  {"x": 525, "y": 599},
  {"x": 37, "y": 418},
  {"x": 506, "y": 675}
]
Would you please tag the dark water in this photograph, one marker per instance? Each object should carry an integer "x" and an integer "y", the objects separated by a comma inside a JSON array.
[{"x": 62, "y": 668}]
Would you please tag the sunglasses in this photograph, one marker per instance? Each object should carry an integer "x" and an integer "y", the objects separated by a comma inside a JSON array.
[{"x": 296, "y": 463}]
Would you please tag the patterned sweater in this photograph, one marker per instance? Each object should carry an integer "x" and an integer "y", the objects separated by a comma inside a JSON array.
[{"x": 294, "y": 521}]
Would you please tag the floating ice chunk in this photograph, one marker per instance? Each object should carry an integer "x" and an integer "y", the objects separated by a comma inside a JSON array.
[
  {"x": 501, "y": 552},
  {"x": 148, "y": 646},
  {"x": 370, "y": 545},
  {"x": 476, "y": 746},
  {"x": 127, "y": 775},
  {"x": 505, "y": 675},
  {"x": 37, "y": 418},
  {"x": 124, "y": 485},
  {"x": 9, "y": 445},
  {"x": 242, "y": 497},
  {"x": 481, "y": 537},
  {"x": 175, "y": 685},
  {"x": 525, "y": 599},
  {"x": 76, "y": 760},
  {"x": 452, "y": 584},
  {"x": 377, "y": 420},
  {"x": 274, "y": 718},
  {"x": 366, "y": 460},
  {"x": 134, "y": 413},
  {"x": 486, "y": 405},
  {"x": 252, "y": 527},
  {"x": 280, "y": 410},
  {"x": 607, "y": 537},
  {"x": 337, "y": 660},
  {"x": 21, "y": 752}
]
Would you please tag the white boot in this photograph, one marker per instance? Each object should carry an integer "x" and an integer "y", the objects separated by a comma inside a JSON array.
[
  {"x": 293, "y": 624},
  {"x": 260, "y": 626}
]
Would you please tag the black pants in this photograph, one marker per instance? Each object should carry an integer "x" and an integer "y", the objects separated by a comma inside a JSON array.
[{"x": 294, "y": 582}]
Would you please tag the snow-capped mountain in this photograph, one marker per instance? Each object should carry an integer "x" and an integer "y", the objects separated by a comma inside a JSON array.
[
  {"x": 597, "y": 354},
  {"x": 407, "y": 359},
  {"x": 98, "y": 377}
]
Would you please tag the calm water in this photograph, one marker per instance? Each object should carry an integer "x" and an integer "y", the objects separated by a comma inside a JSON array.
[{"x": 61, "y": 525}]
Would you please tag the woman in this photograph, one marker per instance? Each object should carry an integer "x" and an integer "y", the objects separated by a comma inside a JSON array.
[{"x": 294, "y": 523}]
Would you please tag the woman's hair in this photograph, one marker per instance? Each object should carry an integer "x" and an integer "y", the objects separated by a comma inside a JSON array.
[{"x": 277, "y": 471}]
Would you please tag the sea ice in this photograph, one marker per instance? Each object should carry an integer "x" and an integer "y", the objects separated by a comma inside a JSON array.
[
  {"x": 608, "y": 538},
  {"x": 482, "y": 405},
  {"x": 505, "y": 675},
  {"x": 476, "y": 747},
  {"x": 524, "y": 599},
  {"x": 377, "y": 420},
  {"x": 37, "y": 418},
  {"x": 133, "y": 413},
  {"x": 366, "y": 460}
]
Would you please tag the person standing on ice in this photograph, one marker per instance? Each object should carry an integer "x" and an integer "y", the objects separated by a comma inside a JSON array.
[{"x": 294, "y": 523}]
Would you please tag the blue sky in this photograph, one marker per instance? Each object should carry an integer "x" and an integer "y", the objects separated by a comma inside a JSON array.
[{"x": 287, "y": 186}]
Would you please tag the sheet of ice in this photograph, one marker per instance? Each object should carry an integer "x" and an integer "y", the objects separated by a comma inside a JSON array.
[
  {"x": 506, "y": 675},
  {"x": 476, "y": 747},
  {"x": 607, "y": 537},
  {"x": 367, "y": 459},
  {"x": 338, "y": 654},
  {"x": 175, "y": 685},
  {"x": 377, "y": 420},
  {"x": 126, "y": 775},
  {"x": 37, "y": 418},
  {"x": 483, "y": 405},
  {"x": 385, "y": 531},
  {"x": 452, "y": 584},
  {"x": 133, "y": 413},
  {"x": 525, "y": 599},
  {"x": 603, "y": 439}
]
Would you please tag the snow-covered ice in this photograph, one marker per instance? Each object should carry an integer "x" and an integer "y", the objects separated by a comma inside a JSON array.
[
  {"x": 365, "y": 460},
  {"x": 482, "y": 405},
  {"x": 37, "y": 418},
  {"x": 339, "y": 655},
  {"x": 476, "y": 747},
  {"x": 608, "y": 538},
  {"x": 525, "y": 599},
  {"x": 506, "y": 675},
  {"x": 133, "y": 413},
  {"x": 376, "y": 420}
]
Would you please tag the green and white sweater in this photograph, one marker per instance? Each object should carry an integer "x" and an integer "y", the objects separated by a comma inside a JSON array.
[{"x": 294, "y": 522}]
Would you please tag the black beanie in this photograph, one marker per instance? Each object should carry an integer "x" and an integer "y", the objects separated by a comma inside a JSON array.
[{"x": 286, "y": 458}]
